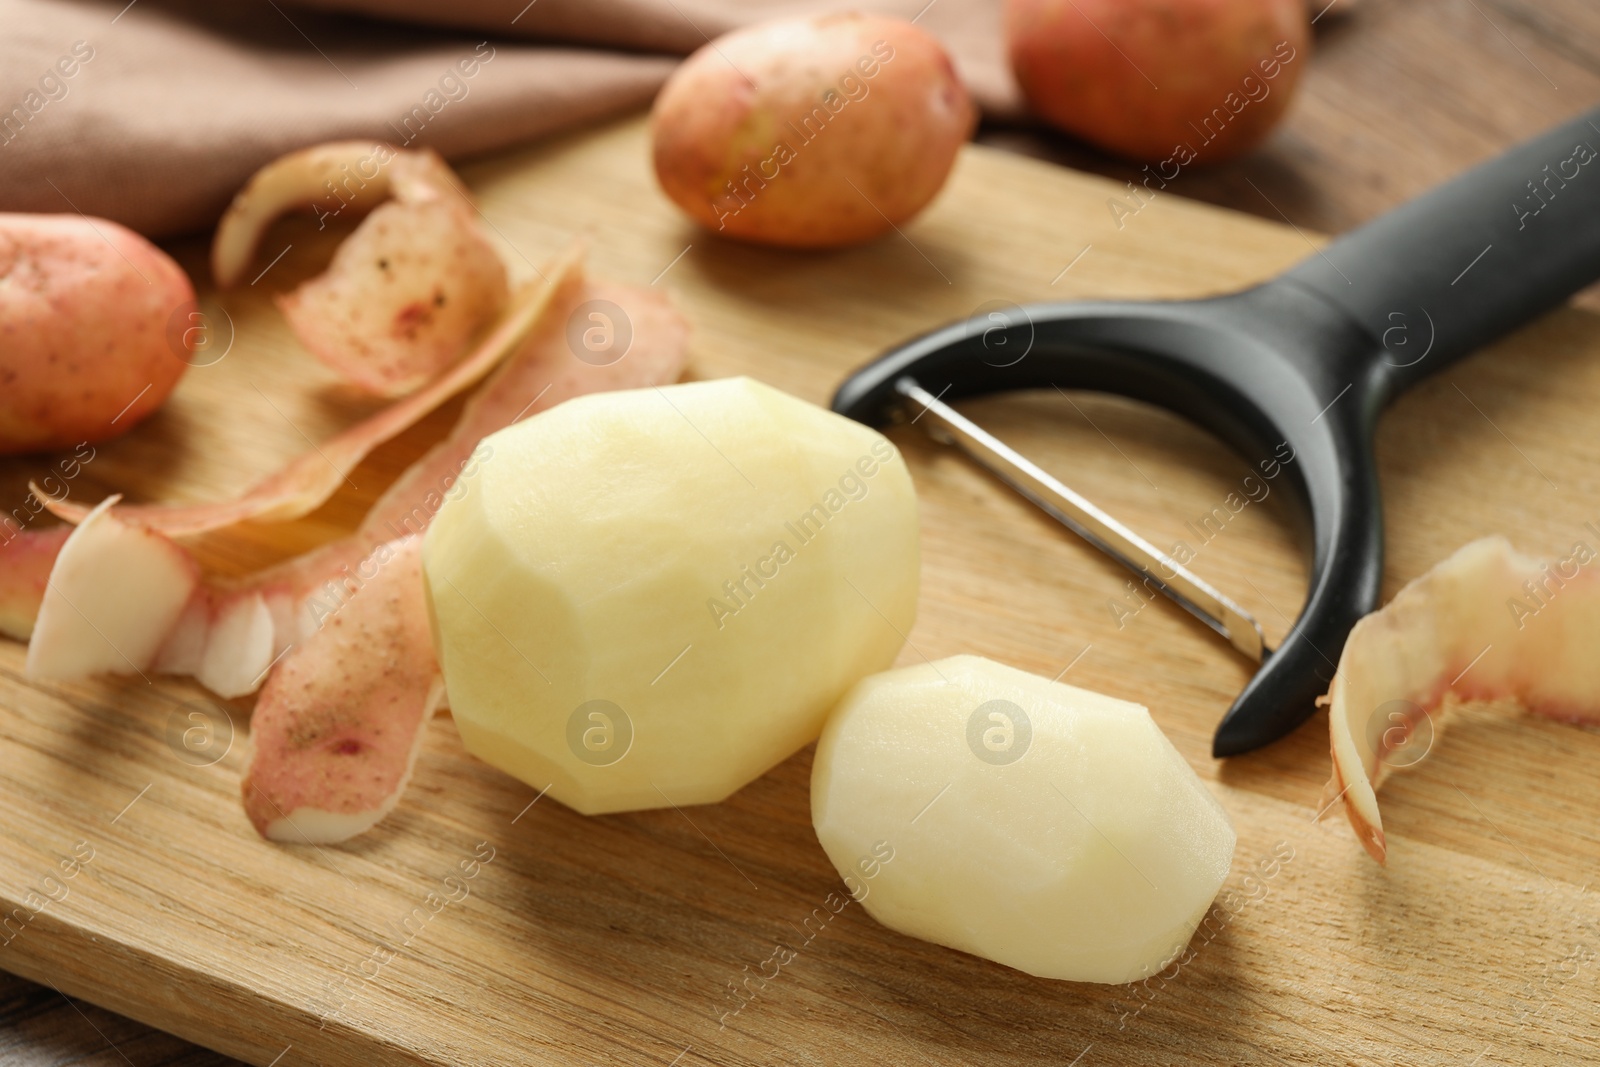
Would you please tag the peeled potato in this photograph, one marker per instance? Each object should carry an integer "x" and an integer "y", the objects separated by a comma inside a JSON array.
[
  {"x": 94, "y": 330},
  {"x": 650, "y": 597},
  {"x": 1045, "y": 827},
  {"x": 810, "y": 133}
]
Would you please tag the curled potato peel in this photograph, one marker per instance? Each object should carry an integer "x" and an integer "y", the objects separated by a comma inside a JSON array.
[
  {"x": 405, "y": 291},
  {"x": 26, "y": 558},
  {"x": 1488, "y": 623},
  {"x": 339, "y": 724},
  {"x": 352, "y": 173},
  {"x": 113, "y": 593}
]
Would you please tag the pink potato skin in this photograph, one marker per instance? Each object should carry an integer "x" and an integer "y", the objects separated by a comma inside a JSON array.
[
  {"x": 338, "y": 722},
  {"x": 402, "y": 298},
  {"x": 85, "y": 307},
  {"x": 1087, "y": 67},
  {"x": 26, "y": 559},
  {"x": 810, "y": 133}
]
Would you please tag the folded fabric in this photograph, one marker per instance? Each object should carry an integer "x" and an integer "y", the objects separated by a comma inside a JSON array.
[{"x": 154, "y": 112}]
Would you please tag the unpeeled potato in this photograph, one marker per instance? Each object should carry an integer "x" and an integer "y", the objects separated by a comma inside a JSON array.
[
  {"x": 87, "y": 342},
  {"x": 810, "y": 133},
  {"x": 1164, "y": 81}
]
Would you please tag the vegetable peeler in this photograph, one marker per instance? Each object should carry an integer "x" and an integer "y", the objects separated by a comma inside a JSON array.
[{"x": 1307, "y": 360}]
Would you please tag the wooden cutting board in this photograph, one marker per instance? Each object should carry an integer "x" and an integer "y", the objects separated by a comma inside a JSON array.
[{"x": 618, "y": 939}]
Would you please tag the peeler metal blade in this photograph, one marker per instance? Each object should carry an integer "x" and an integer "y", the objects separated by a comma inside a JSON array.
[{"x": 1074, "y": 511}]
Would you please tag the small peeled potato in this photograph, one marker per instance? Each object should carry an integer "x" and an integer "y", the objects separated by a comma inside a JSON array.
[
  {"x": 93, "y": 334},
  {"x": 650, "y": 597},
  {"x": 1048, "y": 828},
  {"x": 810, "y": 133}
]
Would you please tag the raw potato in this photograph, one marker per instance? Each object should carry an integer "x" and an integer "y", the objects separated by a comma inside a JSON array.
[
  {"x": 1048, "y": 828},
  {"x": 811, "y": 133},
  {"x": 651, "y": 597},
  {"x": 1164, "y": 81},
  {"x": 87, "y": 342}
]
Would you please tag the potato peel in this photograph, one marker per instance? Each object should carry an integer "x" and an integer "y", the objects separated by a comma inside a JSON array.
[
  {"x": 1488, "y": 623},
  {"x": 339, "y": 724},
  {"x": 25, "y": 563},
  {"x": 402, "y": 297},
  {"x": 358, "y": 175},
  {"x": 113, "y": 593},
  {"x": 405, "y": 291}
]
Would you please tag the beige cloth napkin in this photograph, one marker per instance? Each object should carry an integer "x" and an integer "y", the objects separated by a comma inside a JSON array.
[{"x": 154, "y": 112}]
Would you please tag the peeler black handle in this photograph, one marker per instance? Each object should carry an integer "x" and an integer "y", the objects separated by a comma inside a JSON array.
[
  {"x": 1473, "y": 258},
  {"x": 1294, "y": 372}
]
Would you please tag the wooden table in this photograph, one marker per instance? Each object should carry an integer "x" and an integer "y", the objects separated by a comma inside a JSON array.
[{"x": 1401, "y": 95}]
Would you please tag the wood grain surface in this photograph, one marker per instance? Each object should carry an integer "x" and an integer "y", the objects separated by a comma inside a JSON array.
[{"x": 613, "y": 940}]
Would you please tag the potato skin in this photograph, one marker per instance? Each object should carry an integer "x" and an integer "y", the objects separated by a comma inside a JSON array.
[
  {"x": 85, "y": 306},
  {"x": 402, "y": 298},
  {"x": 811, "y": 133},
  {"x": 1086, "y": 66}
]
